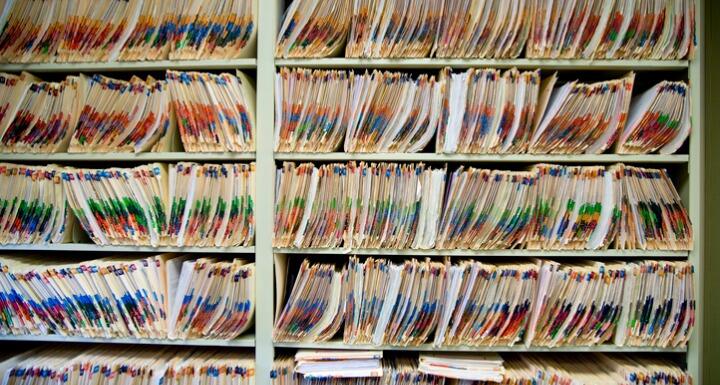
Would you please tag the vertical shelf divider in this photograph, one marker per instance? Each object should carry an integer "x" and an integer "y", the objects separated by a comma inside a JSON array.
[{"x": 268, "y": 16}]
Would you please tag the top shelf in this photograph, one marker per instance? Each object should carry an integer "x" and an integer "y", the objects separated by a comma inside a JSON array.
[
  {"x": 550, "y": 64},
  {"x": 159, "y": 65}
]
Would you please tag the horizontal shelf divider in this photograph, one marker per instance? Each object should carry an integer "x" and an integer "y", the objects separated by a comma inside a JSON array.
[
  {"x": 503, "y": 348},
  {"x": 126, "y": 157},
  {"x": 524, "y": 158},
  {"x": 125, "y": 248},
  {"x": 158, "y": 65},
  {"x": 494, "y": 253},
  {"x": 242, "y": 341},
  {"x": 552, "y": 64}
]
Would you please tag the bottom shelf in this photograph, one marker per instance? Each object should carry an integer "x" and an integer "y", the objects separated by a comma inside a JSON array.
[
  {"x": 247, "y": 340},
  {"x": 605, "y": 348}
]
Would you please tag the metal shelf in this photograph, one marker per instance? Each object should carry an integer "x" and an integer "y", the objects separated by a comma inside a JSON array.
[
  {"x": 550, "y": 64},
  {"x": 242, "y": 341},
  {"x": 516, "y": 158},
  {"x": 516, "y": 348},
  {"x": 126, "y": 249},
  {"x": 494, "y": 253},
  {"x": 127, "y": 157},
  {"x": 159, "y": 65}
]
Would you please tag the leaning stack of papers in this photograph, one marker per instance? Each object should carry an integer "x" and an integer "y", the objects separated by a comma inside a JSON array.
[
  {"x": 315, "y": 309},
  {"x": 338, "y": 364},
  {"x": 490, "y": 29},
  {"x": 471, "y": 367},
  {"x": 393, "y": 29},
  {"x": 122, "y": 365},
  {"x": 215, "y": 113},
  {"x": 655, "y": 29},
  {"x": 395, "y": 304},
  {"x": 312, "y": 109},
  {"x": 314, "y": 29},
  {"x": 581, "y": 118},
  {"x": 162, "y": 296},
  {"x": 486, "y": 111},
  {"x": 658, "y": 305},
  {"x": 659, "y": 120},
  {"x": 33, "y": 205},
  {"x": 44, "y": 118},
  {"x": 121, "y": 116},
  {"x": 87, "y": 31}
]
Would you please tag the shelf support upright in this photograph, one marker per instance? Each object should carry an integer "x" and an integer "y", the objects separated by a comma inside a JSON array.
[{"x": 268, "y": 15}]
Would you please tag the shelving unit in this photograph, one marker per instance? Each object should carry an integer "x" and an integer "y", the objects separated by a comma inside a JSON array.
[{"x": 264, "y": 67}]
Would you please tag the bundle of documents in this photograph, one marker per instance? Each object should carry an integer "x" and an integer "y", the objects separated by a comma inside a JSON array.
[
  {"x": 312, "y": 109},
  {"x": 117, "y": 365},
  {"x": 119, "y": 206},
  {"x": 122, "y": 116},
  {"x": 581, "y": 118},
  {"x": 338, "y": 364},
  {"x": 387, "y": 303},
  {"x": 486, "y": 209},
  {"x": 483, "y": 29},
  {"x": 43, "y": 119},
  {"x": 659, "y": 120},
  {"x": 385, "y": 205},
  {"x": 486, "y": 111},
  {"x": 397, "y": 29},
  {"x": 574, "y": 208},
  {"x": 651, "y": 213},
  {"x": 550, "y": 207},
  {"x": 658, "y": 304},
  {"x": 162, "y": 296},
  {"x": 193, "y": 205},
  {"x": 392, "y": 112},
  {"x": 215, "y": 113},
  {"x": 314, "y": 310},
  {"x": 378, "y": 112},
  {"x": 399, "y": 370},
  {"x": 86, "y": 31},
  {"x": 577, "y": 303},
  {"x": 314, "y": 29},
  {"x": 654, "y": 29},
  {"x": 33, "y": 205},
  {"x": 211, "y": 205},
  {"x": 486, "y": 304},
  {"x": 468, "y": 367},
  {"x": 592, "y": 369},
  {"x": 470, "y": 303}
]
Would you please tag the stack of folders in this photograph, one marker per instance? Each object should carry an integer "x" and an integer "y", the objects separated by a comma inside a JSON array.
[
  {"x": 116, "y": 365},
  {"x": 386, "y": 205},
  {"x": 99, "y": 114},
  {"x": 398, "y": 370},
  {"x": 214, "y": 112},
  {"x": 479, "y": 111},
  {"x": 162, "y": 296},
  {"x": 653, "y": 29},
  {"x": 486, "y": 367},
  {"x": 83, "y": 31},
  {"x": 378, "y": 301},
  {"x": 401, "y": 206},
  {"x": 338, "y": 364},
  {"x": 378, "y": 112},
  {"x": 33, "y": 205},
  {"x": 525, "y": 369},
  {"x": 192, "y": 205}
]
